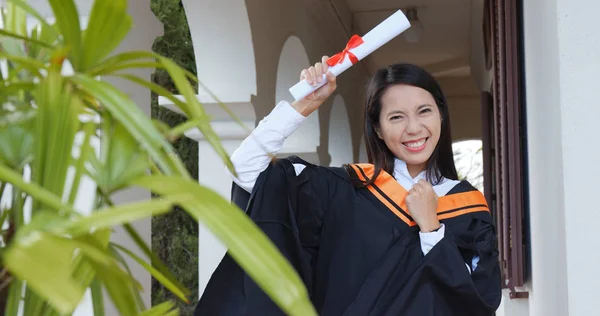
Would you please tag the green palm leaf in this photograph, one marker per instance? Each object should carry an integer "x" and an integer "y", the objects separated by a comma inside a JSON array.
[
  {"x": 134, "y": 120},
  {"x": 156, "y": 274},
  {"x": 44, "y": 261},
  {"x": 4, "y": 33},
  {"x": 67, "y": 20},
  {"x": 34, "y": 190},
  {"x": 246, "y": 243},
  {"x": 163, "y": 309},
  {"x": 53, "y": 33},
  {"x": 16, "y": 146},
  {"x": 108, "y": 25}
]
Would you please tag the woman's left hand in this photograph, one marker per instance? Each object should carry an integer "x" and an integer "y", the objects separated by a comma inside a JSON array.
[{"x": 422, "y": 205}]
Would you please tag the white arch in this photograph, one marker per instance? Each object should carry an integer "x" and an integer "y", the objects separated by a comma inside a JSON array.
[
  {"x": 362, "y": 154},
  {"x": 223, "y": 48},
  {"x": 340, "y": 138},
  {"x": 292, "y": 60}
]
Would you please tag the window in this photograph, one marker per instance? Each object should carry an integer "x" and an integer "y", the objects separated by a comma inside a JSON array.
[{"x": 503, "y": 143}]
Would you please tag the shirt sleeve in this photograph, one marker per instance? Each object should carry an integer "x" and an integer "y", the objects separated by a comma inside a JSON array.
[
  {"x": 254, "y": 154},
  {"x": 429, "y": 240}
]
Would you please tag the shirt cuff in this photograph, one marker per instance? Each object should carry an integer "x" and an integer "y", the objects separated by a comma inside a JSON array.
[
  {"x": 429, "y": 240},
  {"x": 283, "y": 119}
]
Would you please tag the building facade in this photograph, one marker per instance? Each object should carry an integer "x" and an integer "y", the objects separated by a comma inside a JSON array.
[
  {"x": 554, "y": 87},
  {"x": 248, "y": 53}
]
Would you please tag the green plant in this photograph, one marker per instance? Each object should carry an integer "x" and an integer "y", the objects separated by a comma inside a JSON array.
[
  {"x": 175, "y": 234},
  {"x": 50, "y": 120}
]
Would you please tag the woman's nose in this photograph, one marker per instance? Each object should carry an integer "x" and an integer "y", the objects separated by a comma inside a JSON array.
[{"x": 413, "y": 126}]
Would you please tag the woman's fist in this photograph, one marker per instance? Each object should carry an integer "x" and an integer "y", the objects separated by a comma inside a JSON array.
[
  {"x": 314, "y": 76},
  {"x": 422, "y": 206}
]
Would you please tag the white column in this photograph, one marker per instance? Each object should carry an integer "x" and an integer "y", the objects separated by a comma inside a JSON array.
[
  {"x": 578, "y": 68},
  {"x": 212, "y": 172},
  {"x": 561, "y": 48}
]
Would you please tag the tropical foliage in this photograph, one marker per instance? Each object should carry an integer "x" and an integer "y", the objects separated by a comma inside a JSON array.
[
  {"x": 63, "y": 129},
  {"x": 175, "y": 234}
]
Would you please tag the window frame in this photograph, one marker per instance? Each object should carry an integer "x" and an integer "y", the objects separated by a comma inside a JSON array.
[{"x": 504, "y": 148}]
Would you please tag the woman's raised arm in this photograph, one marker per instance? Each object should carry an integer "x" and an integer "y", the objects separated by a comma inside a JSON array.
[{"x": 254, "y": 154}]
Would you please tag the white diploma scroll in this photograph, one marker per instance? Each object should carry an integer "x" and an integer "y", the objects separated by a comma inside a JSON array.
[{"x": 377, "y": 37}]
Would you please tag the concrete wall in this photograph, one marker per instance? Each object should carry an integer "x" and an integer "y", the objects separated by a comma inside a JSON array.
[
  {"x": 562, "y": 115},
  {"x": 578, "y": 67}
]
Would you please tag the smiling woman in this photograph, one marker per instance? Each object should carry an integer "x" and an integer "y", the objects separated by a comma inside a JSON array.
[
  {"x": 400, "y": 235},
  {"x": 408, "y": 119}
]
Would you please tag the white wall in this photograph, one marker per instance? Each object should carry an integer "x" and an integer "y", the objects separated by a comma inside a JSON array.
[
  {"x": 225, "y": 61},
  {"x": 340, "y": 139},
  {"x": 223, "y": 47},
  {"x": 562, "y": 114},
  {"x": 578, "y": 47},
  {"x": 362, "y": 152},
  {"x": 210, "y": 249},
  {"x": 292, "y": 60}
]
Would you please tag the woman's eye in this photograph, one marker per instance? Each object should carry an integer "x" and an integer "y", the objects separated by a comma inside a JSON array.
[
  {"x": 395, "y": 117},
  {"x": 425, "y": 111}
]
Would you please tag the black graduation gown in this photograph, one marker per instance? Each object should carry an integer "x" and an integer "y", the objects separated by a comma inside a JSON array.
[{"x": 358, "y": 250}]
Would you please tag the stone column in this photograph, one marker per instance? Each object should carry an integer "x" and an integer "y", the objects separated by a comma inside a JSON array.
[
  {"x": 224, "y": 52},
  {"x": 213, "y": 174}
]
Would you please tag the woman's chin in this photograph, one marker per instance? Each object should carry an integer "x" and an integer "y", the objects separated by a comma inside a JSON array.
[{"x": 413, "y": 159}]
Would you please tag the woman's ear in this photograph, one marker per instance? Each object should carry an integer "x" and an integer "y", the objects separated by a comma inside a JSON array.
[{"x": 378, "y": 132}]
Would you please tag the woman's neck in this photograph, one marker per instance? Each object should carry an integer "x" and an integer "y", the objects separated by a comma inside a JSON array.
[{"x": 415, "y": 170}]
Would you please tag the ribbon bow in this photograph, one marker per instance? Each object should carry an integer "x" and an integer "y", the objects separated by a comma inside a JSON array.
[{"x": 338, "y": 58}]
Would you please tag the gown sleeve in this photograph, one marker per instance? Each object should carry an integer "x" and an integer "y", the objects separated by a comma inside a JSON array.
[
  {"x": 477, "y": 293},
  {"x": 288, "y": 208},
  {"x": 442, "y": 278}
]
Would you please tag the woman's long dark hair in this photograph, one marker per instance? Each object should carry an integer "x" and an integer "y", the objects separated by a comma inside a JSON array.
[{"x": 441, "y": 162}]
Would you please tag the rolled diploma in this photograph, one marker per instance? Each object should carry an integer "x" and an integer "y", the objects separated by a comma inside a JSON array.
[{"x": 377, "y": 37}]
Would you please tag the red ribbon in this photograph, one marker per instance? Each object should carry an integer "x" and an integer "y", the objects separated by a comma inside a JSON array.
[{"x": 338, "y": 58}]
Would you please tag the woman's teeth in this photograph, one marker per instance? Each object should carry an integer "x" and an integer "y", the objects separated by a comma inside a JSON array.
[{"x": 415, "y": 144}]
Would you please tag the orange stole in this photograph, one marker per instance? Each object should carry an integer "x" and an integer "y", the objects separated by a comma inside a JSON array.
[{"x": 393, "y": 195}]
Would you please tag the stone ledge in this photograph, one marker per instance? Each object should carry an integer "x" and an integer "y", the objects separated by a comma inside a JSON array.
[
  {"x": 222, "y": 123},
  {"x": 244, "y": 110},
  {"x": 226, "y": 130}
]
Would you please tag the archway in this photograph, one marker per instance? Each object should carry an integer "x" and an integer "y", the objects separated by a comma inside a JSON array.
[
  {"x": 223, "y": 48},
  {"x": 362, "y": 154},
  {"x": 340, "y": 139},
  {"x": 304, "y": 141}
]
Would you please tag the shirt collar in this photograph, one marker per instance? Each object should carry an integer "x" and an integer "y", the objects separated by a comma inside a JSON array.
[
  {"x": 401, "y": 172},
  {"x": 403, "y": 177}
]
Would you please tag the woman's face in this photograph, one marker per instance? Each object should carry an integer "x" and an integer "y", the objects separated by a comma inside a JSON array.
[{"x": 409, "y": 124}]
